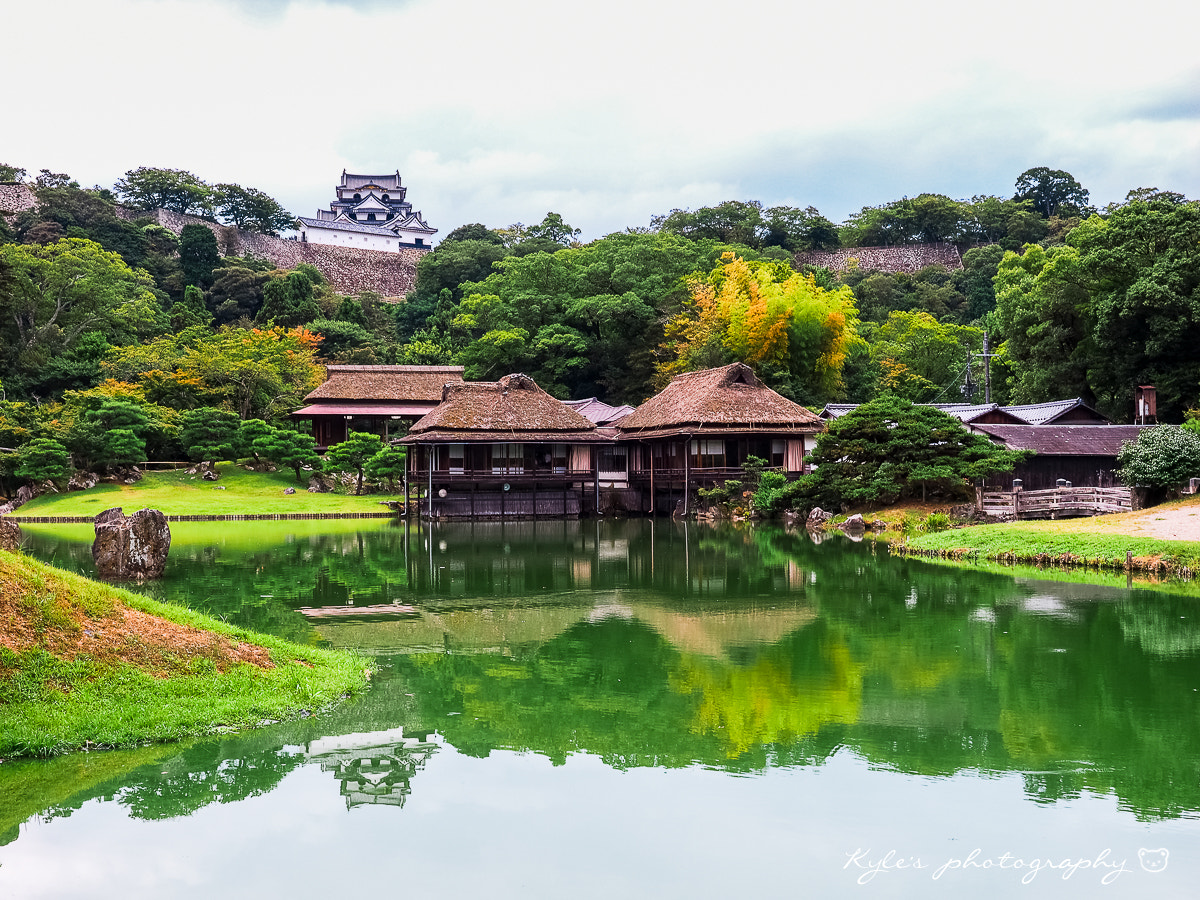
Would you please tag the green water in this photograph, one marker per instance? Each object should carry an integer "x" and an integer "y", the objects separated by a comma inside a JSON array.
[{"x": 646, "y": 709}]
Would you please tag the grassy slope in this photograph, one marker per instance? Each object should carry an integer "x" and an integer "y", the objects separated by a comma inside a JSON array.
[
  {"x": 50, "y": 704},
  {"x": 179, "y": 494}
]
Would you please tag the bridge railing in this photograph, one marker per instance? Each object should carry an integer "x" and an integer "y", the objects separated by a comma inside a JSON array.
[{"x": 1057, "y": 502}]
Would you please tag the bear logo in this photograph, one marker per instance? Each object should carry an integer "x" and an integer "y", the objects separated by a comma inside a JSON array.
[{"x": 1153, "y": 860}]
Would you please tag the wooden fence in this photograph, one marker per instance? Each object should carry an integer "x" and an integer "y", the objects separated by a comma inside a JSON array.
[{"x": 1056, "y": 503}]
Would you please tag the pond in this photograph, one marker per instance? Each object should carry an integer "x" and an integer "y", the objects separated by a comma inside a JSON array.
[{"x": 646, "y": 708}]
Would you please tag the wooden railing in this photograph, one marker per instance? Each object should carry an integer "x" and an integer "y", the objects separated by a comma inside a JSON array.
[{"x": 1057, "y": 502}]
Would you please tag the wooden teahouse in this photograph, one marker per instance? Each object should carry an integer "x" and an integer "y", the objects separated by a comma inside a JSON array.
[
  {"x": 382, "y": 400},
  {"x": 503, "y": 449},
  {"x": 700, "y": 429}
]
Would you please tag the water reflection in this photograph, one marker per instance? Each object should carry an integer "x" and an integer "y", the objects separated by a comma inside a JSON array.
[{"x": 658, "y": 645}]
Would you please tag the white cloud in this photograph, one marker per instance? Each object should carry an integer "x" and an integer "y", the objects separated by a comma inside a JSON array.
[{"x": 608, "y": 113}]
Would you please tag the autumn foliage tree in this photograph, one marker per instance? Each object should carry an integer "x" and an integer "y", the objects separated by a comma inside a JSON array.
[{"x": 793, "y": 332}]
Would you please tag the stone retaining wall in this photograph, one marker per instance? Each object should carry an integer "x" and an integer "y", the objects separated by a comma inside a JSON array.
[
  {"x": 348, "y": 269},
  {"x": 908, "y": 259},
  {"x": 15, "y": 198}
]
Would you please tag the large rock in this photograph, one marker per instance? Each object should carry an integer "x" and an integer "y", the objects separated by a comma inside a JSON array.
[
  {"x": 854, "y": 523},
  {"x": 82, "y": 481},
  {"x": 131, "y": 546},
  {"x": 817, "y": 518},
  {"x": 10, "y": 535}
]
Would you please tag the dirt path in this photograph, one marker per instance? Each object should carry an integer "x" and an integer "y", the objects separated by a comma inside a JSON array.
[{"x": 1177, "y": 521}]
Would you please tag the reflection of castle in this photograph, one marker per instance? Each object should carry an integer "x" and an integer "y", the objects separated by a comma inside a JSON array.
[{"x": 375, "y": 767}]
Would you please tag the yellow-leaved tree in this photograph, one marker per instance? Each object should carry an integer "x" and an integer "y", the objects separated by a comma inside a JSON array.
[{"x": 794, "y": 333}]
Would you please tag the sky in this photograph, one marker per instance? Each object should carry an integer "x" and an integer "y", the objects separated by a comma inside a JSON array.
[{"x": 608, "y": 113}]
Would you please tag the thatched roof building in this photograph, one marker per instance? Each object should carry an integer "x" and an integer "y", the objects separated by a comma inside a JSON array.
[
  {"x": 513, "y": 409},
  {"x": 729, "y": 399},
  {"x": 368, "y": 398}
]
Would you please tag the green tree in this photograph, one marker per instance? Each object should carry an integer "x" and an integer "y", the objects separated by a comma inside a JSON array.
[
  {"x": 1043, "y": 307},
  {"x": 890, "y": 448},
  {"x": 352, "y": 454},
  {"x": 1052, "y": 192},
  {"x": 60, "y": 292},
  {"x": 174, "y": 189},
  {"x": 293, "y": 449},
  {"x": 288, "y": 301},
  {"x": 198, "y": 254},
  {"x": 250, "y": 209},
  {"x": 920, "y": 357},
  {"x": 12, "y": 173},
  {"x": 1164, "y": 456},
  {"x": 731, "y": 222},
  {"x": 1140, "y": 269},
  {"x": 42, "y": 459},
  {"x": 209, "y": 434},
  {"x": 387, "y": 467},
  {"x": 111, "y": 432}
]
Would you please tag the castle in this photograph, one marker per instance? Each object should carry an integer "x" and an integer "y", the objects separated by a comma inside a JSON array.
[{"x": 370, "y": 213}]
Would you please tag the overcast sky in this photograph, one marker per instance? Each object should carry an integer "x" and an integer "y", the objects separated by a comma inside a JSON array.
[{"x": 608, "y": 113}]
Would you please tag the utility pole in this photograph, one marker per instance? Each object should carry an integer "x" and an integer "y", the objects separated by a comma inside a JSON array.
[{"x": 987, "y": 369}]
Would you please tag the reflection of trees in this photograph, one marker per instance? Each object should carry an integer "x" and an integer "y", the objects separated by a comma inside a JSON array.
[
  {"x": 655, "y": 644},
  {"x": 787, "y": 693}
]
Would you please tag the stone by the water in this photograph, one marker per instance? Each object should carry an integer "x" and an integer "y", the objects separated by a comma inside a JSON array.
[{"x": 131, "y": 546}]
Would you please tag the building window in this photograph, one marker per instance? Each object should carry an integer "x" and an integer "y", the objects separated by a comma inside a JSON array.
[
  {"x": 508, "y": 459},
  {"x": 708, "y": 454},
  {"x": 370, "y": 217},
  {"x": 419, "y": 241}
]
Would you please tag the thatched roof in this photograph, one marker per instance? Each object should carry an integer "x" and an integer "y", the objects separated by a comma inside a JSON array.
[
  {"x": 421, "y": 384},
  {"x": 511, "y": 409},
  {"x": 722, "y": 400}
]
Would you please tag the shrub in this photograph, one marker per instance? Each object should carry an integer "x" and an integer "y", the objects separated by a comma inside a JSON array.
[{"x": 1164, "y": 456}]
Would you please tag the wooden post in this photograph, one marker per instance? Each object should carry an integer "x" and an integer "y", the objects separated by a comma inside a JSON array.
[
  {"x": 687, "y": 473},
  {"x": 651, "y": 450},
  {"x": 429, "y": 489}
]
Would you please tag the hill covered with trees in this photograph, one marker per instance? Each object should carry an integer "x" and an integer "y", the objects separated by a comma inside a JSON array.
[{"x": 111, "y": 322}]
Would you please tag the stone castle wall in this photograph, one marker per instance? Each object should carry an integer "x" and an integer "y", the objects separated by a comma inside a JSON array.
[
  {"x": 15, "y": 198},
  {"x": 348, "y": 269},
  {"x": 908, "y": 259}
]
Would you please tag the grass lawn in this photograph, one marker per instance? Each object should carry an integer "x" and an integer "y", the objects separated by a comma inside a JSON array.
[
  {"x": 179, "y": 494},
  {"x": 87, "y": 665},
  {"x": 1100, "y": 540}
]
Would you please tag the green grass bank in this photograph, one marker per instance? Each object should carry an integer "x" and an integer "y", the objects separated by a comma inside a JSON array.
[
  {"x": 238, "y": 492},
  {"x": 1041, "y": 543},
  {"x": 84, "y": 665}
]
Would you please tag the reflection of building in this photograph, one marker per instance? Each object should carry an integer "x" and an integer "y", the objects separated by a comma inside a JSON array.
[
  {"x": 377, "y": 399},
  {"x": 374, "y": 768},
  {"x": 370, "y": 213}
]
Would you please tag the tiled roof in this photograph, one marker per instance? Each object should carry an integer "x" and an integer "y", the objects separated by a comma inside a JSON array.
[
  {"x": 384, "y": 181},
  {"x": 598, "y": 411},
  {"x": 729, "y": 396},
  {"x": 347, "y": 226},
  {"x": 393, "y": 383},
  {"x": 1063, "y": 440},
  {"x": 1043, "y": 413},
  {"x": 511, "y": 409}
]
